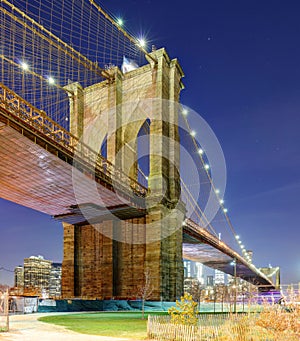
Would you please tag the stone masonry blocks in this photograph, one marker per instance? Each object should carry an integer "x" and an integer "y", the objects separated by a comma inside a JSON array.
[{"x": 109, "y": 259}]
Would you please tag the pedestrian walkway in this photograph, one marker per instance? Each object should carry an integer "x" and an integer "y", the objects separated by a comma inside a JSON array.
[{"x": 28, "y": 328}]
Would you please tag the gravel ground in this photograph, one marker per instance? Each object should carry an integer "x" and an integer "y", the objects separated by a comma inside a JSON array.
[{"x": 28, "y": 328}]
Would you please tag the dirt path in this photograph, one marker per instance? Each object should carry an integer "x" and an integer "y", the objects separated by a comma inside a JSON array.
[{"x": 28, "y": 328}]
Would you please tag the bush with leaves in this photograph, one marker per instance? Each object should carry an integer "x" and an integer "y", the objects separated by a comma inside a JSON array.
[{"x": 185, "y": 311}]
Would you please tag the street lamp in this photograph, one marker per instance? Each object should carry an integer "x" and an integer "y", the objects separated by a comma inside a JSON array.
[{"x": 235, "y": 291}]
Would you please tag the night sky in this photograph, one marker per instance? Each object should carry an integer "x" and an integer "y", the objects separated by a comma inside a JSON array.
[{"x": 241, "y": 61}]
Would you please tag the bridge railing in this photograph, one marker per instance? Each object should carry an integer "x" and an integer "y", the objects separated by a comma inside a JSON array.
[{"x": 25, "y": 113}]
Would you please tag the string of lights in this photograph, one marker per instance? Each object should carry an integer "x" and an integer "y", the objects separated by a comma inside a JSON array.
[
  {"x": 206, "y": 166},
  {"x": 192, "y": 204}
]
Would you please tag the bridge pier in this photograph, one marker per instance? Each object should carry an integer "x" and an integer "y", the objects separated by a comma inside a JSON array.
[{"x": 108, "y": 260}]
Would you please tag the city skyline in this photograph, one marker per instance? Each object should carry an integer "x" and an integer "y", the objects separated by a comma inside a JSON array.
[{"x": 242, "y": 75}]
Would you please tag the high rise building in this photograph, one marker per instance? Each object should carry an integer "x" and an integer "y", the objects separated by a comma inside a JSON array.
[
  {"x": 219, "y": 277},
  {"x": 19, "y": 276},
  {"x": 200, "y": 277},
  {"x": 193, "y": 270},
  {"x": 55, "y": 280},
  {"x": 187, "y": 268},
  {"x": 210, "y": 281},
  {"x": 37, "y": 276}
]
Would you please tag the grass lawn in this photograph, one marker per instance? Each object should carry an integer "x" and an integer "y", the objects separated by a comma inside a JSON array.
[{"x": 119, "y": 324}]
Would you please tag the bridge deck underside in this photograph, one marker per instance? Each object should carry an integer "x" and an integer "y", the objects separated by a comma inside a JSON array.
[
  {"x": 33, "y": 177},
  {"x": 196, "y": 249}
]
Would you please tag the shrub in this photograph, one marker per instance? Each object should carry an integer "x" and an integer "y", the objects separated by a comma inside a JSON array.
[
  {"x": 185, "y": 311},
  {"x": 282, "y": 324}
]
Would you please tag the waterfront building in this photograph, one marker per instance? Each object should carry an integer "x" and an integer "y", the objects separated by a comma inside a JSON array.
[
  {"x": 37, "y": 276},
  {"x": 55, "y": 280},
  {"x": 19, "y": 276}
]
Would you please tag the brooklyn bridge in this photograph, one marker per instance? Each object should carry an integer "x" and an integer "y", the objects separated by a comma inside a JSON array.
[{"x": 98, "y": 147}]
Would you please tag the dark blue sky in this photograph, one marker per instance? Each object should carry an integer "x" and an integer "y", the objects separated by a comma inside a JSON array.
[{"x": 242, "y": 74}]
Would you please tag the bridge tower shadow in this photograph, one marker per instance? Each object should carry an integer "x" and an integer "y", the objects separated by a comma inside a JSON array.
[{"x": 108, "y": 257}]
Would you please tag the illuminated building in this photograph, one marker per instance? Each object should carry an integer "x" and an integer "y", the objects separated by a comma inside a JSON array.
[
  {"x": 210, "y": 281},
  {"x": 219, "y": 277},
  {"x": 193, "y": 270},
  {"x": 19, "y": 276},
  {"x": 55, "y": 280},
  {"x": 37, "y": 276}
]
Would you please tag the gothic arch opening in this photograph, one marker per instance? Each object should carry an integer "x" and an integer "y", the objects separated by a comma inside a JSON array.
[
  {"x": 103, "y": 148},
  {"x": 143, "y": 153}
]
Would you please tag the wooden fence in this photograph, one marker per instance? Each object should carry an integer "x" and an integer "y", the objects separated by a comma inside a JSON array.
[
  {"x": 4, "y": 317},
  {"x": 224, "y": 327},
  {"x": 167, "y": 331}
]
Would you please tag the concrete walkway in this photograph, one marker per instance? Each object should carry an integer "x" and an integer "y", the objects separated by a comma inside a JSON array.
[{"x": 28, "y": 328}]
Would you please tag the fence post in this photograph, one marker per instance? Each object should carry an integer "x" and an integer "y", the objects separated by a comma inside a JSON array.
[
  {"x": 6, "y": 309},
  {"x": 148, "y": 326}
]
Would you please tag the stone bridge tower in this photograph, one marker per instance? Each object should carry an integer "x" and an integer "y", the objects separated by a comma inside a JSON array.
[{"x": 109, "y": 258}]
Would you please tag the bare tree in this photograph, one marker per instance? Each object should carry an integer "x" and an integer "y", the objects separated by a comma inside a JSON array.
[
  {"x": 197, "y": 292},
  {"x": 145, "y": 290},
  {"x": 221, "y": 292}
]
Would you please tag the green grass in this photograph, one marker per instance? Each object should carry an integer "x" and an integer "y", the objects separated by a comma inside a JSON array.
[{"x": 119, "y": 324}]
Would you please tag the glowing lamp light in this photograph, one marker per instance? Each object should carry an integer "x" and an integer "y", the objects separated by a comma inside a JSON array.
[
  {"x": 200, "y": 151},
  {"x": 225, "y": 210},
  {"x": 221, "y": 201},
  {"x": 193, "y": 133},
  {"x": 217, "y": 191},
  {"x": 206, "y": 166},
  {"x": 24, "y": 66},
  {"x": 142, "y": 42},
  {"x": 239, "y": 242},
  {"x": 120, "y": 22},
  {"x": 51, "y": 80},
  {"x": 237, "y": 237},
  {"x": 146, "y": 177},
  {"x": 185, "y": 112}
]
